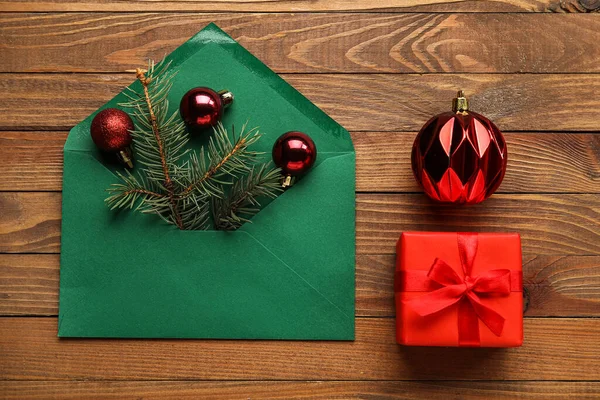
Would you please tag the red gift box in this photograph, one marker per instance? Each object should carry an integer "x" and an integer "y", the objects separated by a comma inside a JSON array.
[{"x": 459, "y": 289}]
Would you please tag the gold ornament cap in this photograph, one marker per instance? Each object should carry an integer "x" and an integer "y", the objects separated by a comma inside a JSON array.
[
  {"x": 226, "y": 97},
  {"x": 287, "y": 182},
  {"x": 460, "y": 104},
  {"x": 125, "y": 157}
]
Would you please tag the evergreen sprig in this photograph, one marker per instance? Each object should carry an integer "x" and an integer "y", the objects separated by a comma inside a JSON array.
[
  {"x": 242, "y": 202},
  {"x": 225, "y": 156},
  {"x": 182, "y": 186}
]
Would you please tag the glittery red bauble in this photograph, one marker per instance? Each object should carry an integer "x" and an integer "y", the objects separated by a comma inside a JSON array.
[
  {"x": 110, "y": 130},
  {"x": 201, "y": 108},
  {"x": 459, "y": 157},
  {"x": 295, "y": 153}
]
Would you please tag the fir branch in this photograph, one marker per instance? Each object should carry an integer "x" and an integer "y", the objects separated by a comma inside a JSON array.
[
  {"x": 242, "y": 202},
  {"x": 195, "y": 212},
  {"x": 159, "y": 140},
  {"x": 219, "y": 178},
  {"x": 127, "y": 193},
  {"x": 227, "y": 157},
  {"x": 150, "y": 197}
]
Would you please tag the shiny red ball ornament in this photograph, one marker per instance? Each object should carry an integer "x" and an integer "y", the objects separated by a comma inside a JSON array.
[
  {"x": 202, "y": 108},
  {"x": 295, "y": 153},
  {"x": 459, "y": 156},
  {"x": 111, "y": 132}
]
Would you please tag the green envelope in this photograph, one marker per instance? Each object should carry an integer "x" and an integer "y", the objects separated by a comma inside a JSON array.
[{"x": 287, "y": 275}]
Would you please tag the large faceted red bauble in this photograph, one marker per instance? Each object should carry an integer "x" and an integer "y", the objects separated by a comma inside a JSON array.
[
  {"x": 201, "y": 108},
  {"x": 459, "y": 158}
]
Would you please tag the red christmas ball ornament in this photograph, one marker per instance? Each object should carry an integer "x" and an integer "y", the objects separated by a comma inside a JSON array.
[
  {"x": 295, "y": 153},
  {"x": 459, "y": 156},
  {"x": 111, "y": 132},
  {"x": 202, "y": 107}
]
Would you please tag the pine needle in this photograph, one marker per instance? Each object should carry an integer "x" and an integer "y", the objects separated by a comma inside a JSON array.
[
  {"x": 226, "y": 157},
  {"x": 242, "y": 202}
]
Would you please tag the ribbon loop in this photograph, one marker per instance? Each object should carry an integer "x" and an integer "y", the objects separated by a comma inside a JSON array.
[
  {"x": 496, "y": 281},
  {"x": 442, "y": 273}
]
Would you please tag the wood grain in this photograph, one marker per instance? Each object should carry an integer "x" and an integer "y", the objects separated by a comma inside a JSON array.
[
  {"x": 31, "y": 161},
  {"x": 555, "y": 285},
  {"x": 548, "y": 224},
  {"x": 538, "y": 162},
  {"x": 558, "y": 224},
  {"x": 579, "y": 6},
  {"x": 380, "y": 68},
  {"x": 30, "y": 222},
  {"x": 31, "y": 351},
  {"x": 29, "y": 284},
  {"x": 397, "y": 43},
  {"x": 362, "y": 102},
  {"x": 177, "y": 390}
]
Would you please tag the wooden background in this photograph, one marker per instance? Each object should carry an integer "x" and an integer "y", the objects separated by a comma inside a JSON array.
[{"x": 380, "y": 68}]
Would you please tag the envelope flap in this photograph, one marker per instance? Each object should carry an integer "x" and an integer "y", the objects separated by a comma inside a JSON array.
[
  {"x": 79, "y": 140},
  {"x": 262, "y": 98}
]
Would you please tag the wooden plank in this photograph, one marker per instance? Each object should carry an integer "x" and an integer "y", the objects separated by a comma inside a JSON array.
[
  {"x": 304, "y": 5},
  {"x": 558, "y": 224},
  {"x": 554, "y": 349},
  {"x": 360, "y": 102},
  {"x": 219, "y": 390},
  {"x": 396, "y": 43},
  {"x": 29, "y": 284},
  {"x": 31, "y": 160},
  {"x": 538, "y": 162},
  {"x": 554, "y": 285},
  {"x": 30, "y": 222},
  {"x": 548, "y": 224}
]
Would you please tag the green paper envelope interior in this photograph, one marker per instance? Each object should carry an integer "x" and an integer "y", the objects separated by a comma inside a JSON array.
[{"x": 288, "y": 275}]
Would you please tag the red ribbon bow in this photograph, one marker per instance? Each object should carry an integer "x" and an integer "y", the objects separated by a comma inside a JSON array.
[{"x": 465, "y": 291}]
